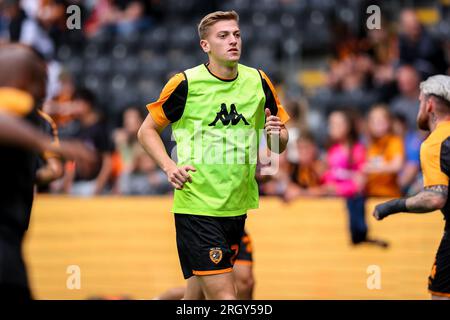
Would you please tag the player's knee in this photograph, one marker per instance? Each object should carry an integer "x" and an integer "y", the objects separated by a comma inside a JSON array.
[
  {"x": 226, "y": 291},
  {"x": 245, "y": 285}
]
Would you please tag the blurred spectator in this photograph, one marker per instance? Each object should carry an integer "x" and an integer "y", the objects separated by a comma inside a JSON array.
[
  {"x": 350, "y": 82},
  {"x": 144, "y": 177},
  {"x": 60, "y": 106},
  {"x": 381, "y": 44},
  {"x": 407, "y": 102},
  {"x": 90, "y": 180},
  {"x": 278, "y": 183},
  {"x": 24, "y": 29},
  {"x": 385, "y": 155},
  {"x": 410, "y": 178},
  {"x": 13, "y": 18},
  {"x": 51, "y": 16},
  {"x": 307, "y": 173},
  {"x": 122, "y": 17},
  {"x": 294, "y": 127},
  {"x": 344, "y": 176},
  {"x": 345, "y": 157},
  {"x": 418, "y": 48},
  {"x": 125, "y": 138}
]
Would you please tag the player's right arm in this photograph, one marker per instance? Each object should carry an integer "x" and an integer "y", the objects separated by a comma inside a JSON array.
[
  {"x": 167, "y": 109},
  {"x": 435, "y": 192},
  {"x": 17, "y": 132},
  {"x": 150, "y": 140}
]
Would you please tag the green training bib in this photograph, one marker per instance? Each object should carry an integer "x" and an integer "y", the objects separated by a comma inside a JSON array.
[{"x": 219, "y": 134}]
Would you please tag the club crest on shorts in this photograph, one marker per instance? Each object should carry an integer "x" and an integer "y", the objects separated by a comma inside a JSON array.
[{"x": 215, "y": 254}]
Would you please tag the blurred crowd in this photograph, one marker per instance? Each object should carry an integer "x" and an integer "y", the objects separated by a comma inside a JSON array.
[{"x": 369, "y": 102}]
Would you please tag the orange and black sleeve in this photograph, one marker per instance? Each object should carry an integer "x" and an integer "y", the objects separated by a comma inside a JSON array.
[
  {"x": 272, "y": 101},
  {"x": 434, "y": 158},
  {"x": 52, "y": 127},
  {"x": 170, "y": 105},
  {"x": 15, "y": 102}
]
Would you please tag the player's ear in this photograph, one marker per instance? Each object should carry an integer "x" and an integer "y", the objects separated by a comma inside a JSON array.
[
  {"x": 429, "y": 105},
  {"x": 205, "y": 45}
]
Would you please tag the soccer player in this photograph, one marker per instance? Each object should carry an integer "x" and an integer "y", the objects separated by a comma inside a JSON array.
[
  {"x": 22, "y": 89},
  {"x": 213, "y": 109},
  {"x": 434, "y": 115}
]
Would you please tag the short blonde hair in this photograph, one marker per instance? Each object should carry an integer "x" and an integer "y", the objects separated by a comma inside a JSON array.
[
  {"x": 438, "y": 85},
  {"x": 214, "y": 17}
]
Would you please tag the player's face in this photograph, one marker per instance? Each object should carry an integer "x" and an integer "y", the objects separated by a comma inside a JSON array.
[
  {"x": 223, "y": 42},
  {"x": 423, "y": 116}
]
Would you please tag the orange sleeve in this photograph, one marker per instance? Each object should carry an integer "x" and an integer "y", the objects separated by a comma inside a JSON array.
[
  {"x": 430, "y": 160},
  {"x": 156, "y": 108},
  {"x": 282, "y": 114},
  {"x": 15, "y": 102}
]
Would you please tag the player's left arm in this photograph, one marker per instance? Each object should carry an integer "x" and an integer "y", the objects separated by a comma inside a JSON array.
[
  {"x": 18, "y": 132},
  {"x": 277, "y": 134},
  {"x": 276, "y": 117},
  {"x": 431, "y": 198}
]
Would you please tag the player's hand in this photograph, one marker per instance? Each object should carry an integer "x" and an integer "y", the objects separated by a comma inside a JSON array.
[
  {"x": 273, "y": 123},
  {"x": 382, "y": 210},
  {"x": 376, "y": 214},
  {"x": 387, "y": 208},
  {"x": 178, "y": 176}
]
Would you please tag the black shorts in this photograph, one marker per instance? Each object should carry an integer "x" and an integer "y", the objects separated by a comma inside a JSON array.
[
  {"x": 13, "y": 273},
  {"x": 208, "y": 245},
  {"x": 439, "y": 280},
  {"x": 245, "y": 254}
]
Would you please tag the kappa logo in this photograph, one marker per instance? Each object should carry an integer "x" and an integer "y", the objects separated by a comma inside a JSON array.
[
  {"x": 215, "y": 254},
  {"x": 226, "y": 117}
]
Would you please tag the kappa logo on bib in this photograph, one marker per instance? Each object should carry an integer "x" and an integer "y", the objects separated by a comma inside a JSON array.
[{"x": 226, "y": 117}]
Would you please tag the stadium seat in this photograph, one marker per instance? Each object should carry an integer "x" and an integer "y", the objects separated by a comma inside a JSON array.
[
  {"x": 64, "y": 53},
  {"x": 128, "y": 67},
  {"x": 156, "y": 39}
]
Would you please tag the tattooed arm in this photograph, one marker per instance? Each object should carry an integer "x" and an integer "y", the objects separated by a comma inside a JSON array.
[{"x": 430, "y": 199}]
